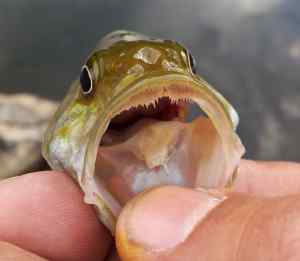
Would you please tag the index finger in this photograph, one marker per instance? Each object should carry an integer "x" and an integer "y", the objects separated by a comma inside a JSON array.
[{"x": 268, "y": 178}]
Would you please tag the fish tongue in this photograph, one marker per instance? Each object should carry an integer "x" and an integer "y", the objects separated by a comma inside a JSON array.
[{"x": 159, "y": 153}]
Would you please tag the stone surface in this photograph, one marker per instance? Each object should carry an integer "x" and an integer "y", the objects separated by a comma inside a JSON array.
[{"x": 23, "y": 119}]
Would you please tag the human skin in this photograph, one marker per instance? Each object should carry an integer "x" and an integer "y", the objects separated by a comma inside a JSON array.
[{"x": 43, "y": 217}]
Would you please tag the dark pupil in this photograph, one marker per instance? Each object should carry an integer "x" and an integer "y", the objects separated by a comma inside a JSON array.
[
  {"x": 85, "y": 81},
  {"x": 192, "y": 63}
]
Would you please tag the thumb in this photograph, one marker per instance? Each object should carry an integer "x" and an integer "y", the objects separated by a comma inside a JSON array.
[{"x": 172, "y": 223}]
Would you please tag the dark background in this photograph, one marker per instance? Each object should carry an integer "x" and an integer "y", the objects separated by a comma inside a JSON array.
[{"x": 248, "y": 49}]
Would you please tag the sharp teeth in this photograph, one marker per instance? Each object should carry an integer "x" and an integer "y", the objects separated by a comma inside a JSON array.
[{"x": 154, "y": 107}]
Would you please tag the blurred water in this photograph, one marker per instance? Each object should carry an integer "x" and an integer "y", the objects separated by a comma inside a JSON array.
[{"x": 247, "y": 49}]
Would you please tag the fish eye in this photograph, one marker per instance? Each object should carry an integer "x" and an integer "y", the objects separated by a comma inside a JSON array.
[
  {"x": 192, "y": 62},
  {"x": 86, "y": 81}
]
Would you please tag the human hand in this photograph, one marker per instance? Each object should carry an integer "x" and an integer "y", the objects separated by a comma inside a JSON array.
[{"x": 44, "y": 214}]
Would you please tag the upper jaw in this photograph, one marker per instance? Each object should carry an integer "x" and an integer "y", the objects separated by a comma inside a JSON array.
[{"x": 145, "y": 90}]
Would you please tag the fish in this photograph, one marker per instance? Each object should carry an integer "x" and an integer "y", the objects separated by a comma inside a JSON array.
[{"x": 122, "y": 127}]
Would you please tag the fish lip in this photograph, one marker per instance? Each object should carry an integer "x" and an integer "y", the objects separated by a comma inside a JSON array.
[{"x": 176, "y": 84}]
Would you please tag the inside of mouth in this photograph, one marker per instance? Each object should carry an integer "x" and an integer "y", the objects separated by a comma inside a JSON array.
[
  {"x": 162, "y": 109},
  {"x": 152, "y": 145}
]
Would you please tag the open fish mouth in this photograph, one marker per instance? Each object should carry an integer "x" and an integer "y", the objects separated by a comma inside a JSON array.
[{"x": 144, "y": 142}]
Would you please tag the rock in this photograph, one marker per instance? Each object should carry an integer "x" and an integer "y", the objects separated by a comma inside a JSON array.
[{"x": 23, "y": 119}]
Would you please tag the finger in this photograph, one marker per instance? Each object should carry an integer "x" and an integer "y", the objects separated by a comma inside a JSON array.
[
  {"x": 172, "y": 223},
  {"x": 268, "y": 179},
  {"x": 9, "y": 252},
  {"x": 44, "y": 213}
]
